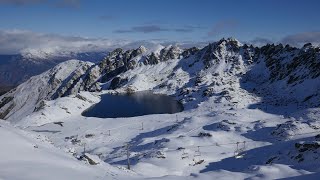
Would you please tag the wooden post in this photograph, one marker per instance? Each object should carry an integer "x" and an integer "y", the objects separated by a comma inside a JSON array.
[
  {"x": 84, "y": 148},
  {"x": 197, "y": 152},
  {"x": 237, "y": 150},
  {"x": 128, "y": 155}
]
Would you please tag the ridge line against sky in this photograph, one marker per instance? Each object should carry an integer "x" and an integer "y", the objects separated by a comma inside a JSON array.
[{"x": 28, "y": 24}]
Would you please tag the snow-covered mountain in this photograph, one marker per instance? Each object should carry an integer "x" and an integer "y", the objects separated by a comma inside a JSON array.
[
  {"x": 15, "y": 69},
  {"x": 277, "y": 74},
  {"x": 232, "y": 94}
]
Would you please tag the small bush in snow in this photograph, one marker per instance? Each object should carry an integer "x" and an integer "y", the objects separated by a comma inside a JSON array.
[
  {"x": 89, "y": 135},
  {"x": 204, "y": 134}
]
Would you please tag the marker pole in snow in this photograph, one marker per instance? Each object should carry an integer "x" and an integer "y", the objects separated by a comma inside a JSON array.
[
  {"x": 184, "y": 154},
  {"x": 128, "y": 155},
  {"x": 236, "y": 152},
  {"x": 142, "y": 126},
  {"x": 197, "y": 152},
  {"x": 177, "y": 118},
  {"x": 84, "y": 148},
  {"x": 109, "y": 132}
]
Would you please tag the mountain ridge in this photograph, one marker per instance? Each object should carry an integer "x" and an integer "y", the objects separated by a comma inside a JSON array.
[{"x": 217, "y": 64}]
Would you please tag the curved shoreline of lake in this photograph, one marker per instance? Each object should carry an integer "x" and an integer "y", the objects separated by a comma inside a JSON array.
[{"x": 134, "y": 104}]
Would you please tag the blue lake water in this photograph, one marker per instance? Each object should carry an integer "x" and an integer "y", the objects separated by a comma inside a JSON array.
[{"x": 130, "y": 105}]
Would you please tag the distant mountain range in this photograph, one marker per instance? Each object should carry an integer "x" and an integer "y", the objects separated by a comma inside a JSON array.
[{"x": 15, "y": 69}]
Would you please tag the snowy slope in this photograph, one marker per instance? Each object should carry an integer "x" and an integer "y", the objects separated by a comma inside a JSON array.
[{"x": 30, "y": 156}]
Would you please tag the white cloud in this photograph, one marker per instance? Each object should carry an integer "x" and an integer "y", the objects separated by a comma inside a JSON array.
[
  {"x": 28, "y": 42},
  {"x": 301, "y": 38},
  {"x": 20, "y": 41}
]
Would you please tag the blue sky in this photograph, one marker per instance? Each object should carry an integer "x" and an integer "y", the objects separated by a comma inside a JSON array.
[{"x": 167, "y": 20}]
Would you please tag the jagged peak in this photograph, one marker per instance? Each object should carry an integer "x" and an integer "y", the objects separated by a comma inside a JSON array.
[
  {"x": 223, "y": 44},
  {"x": 308, "y": 46},
  {"x": 116, "y": 51},
  {"x": 189, "y": 51},
  {"x": 229, "y": 41},
  {"x": 142, "y": 49},
  {"x": 172, "y": 48}
]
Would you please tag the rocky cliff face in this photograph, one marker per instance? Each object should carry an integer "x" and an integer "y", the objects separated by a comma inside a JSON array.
[
  {"x": 225, "y": 69},
  {"x": 289, "y": 72}
]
